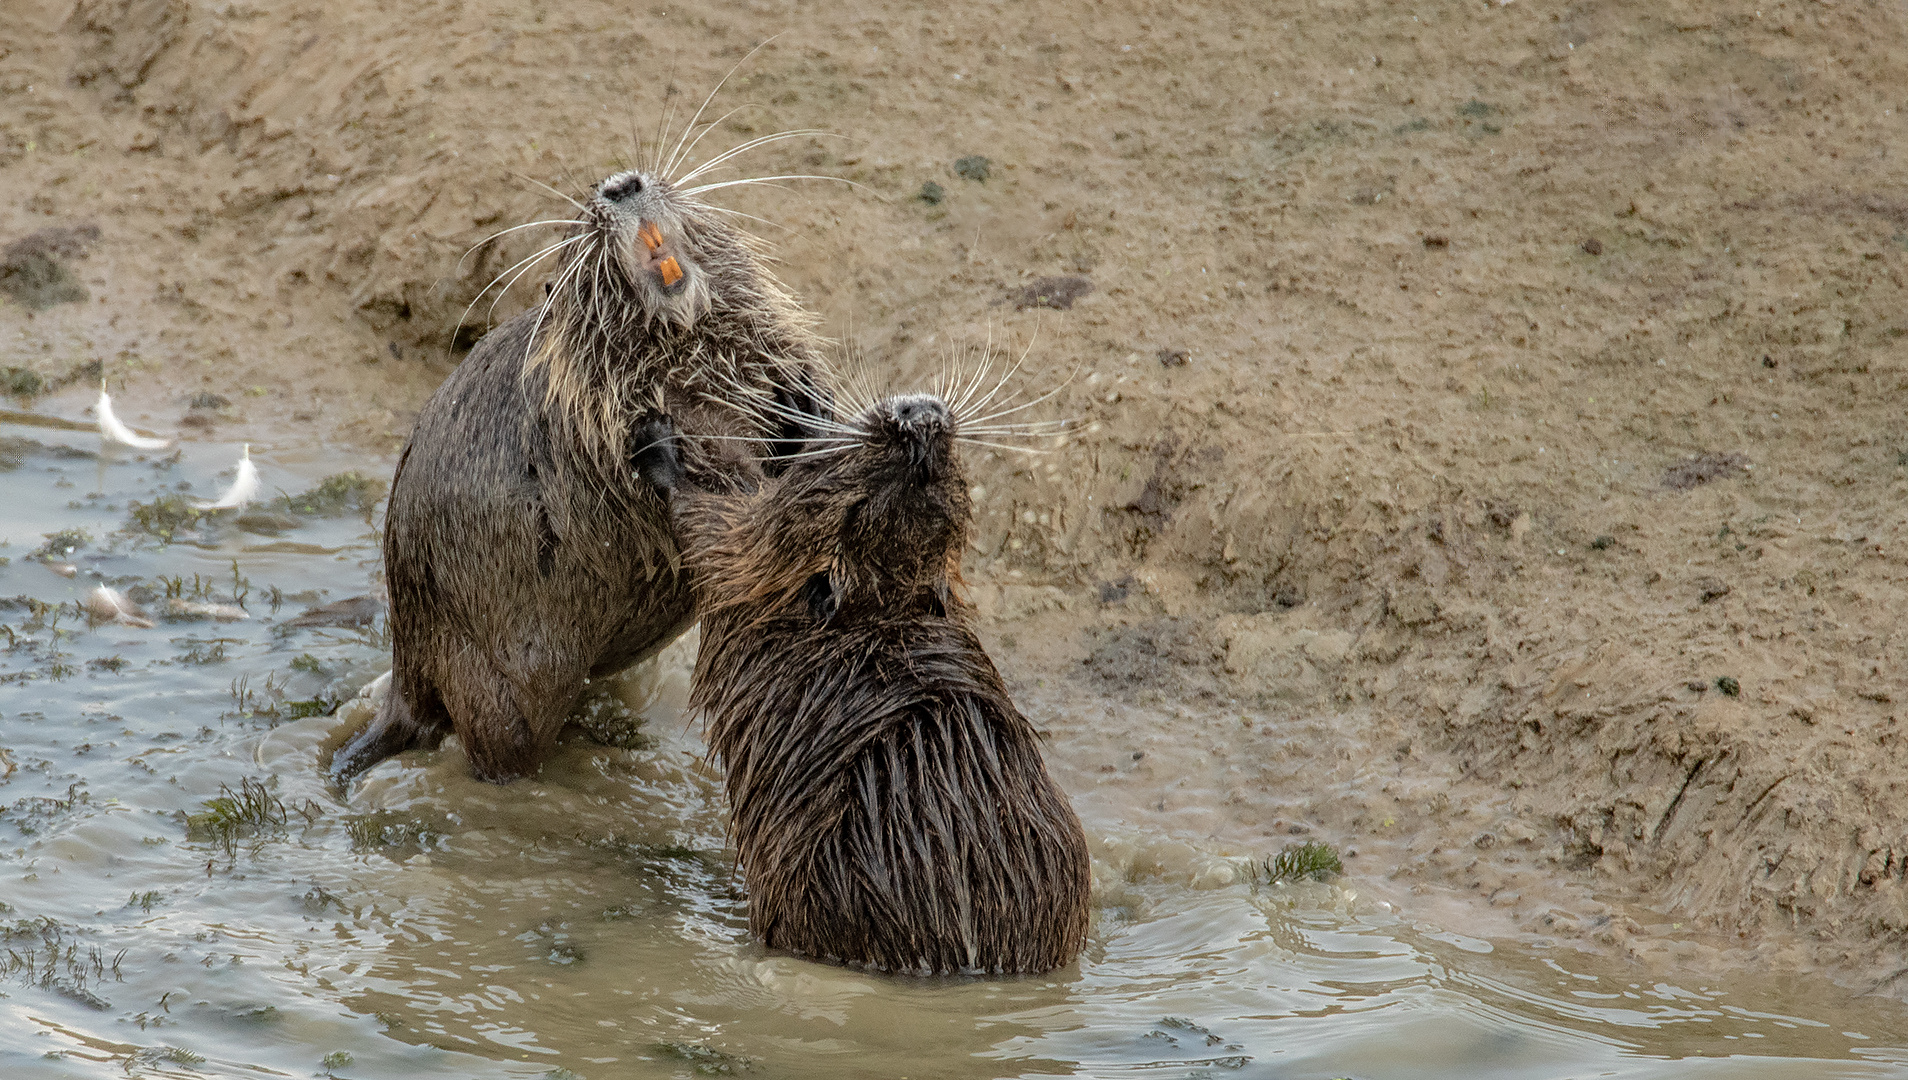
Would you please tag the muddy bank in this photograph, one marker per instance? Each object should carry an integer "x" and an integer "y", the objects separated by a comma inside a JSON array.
[{"x": 1489, "y": 416}]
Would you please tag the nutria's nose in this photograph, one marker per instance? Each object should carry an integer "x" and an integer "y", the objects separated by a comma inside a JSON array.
[
  {"x": 916, "y": 411},
  {"x": 622, "y": 186}
]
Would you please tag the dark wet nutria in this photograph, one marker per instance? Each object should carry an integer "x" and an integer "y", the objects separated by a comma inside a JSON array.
[
  {"x": 888, "y": 801},
  {"x": 522, "y": 553}
]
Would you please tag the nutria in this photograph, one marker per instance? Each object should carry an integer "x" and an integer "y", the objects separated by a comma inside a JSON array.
[
  {"x": 888, "y": 802},
  {"x": 522, "y": 554}
]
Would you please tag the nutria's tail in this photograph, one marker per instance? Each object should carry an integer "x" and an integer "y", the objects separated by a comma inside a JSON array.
[{"x": 392, "y": 730}]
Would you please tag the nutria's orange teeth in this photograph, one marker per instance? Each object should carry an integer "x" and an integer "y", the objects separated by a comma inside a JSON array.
[
  {"x": 650, "y": 235},
  {"x": 670, "y": 271}
]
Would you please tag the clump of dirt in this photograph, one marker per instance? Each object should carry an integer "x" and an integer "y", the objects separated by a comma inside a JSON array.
[
  {"x": 973, "y": 167},
  {"x": 33, "y": 269},
  {"x": 1701, "y": 469},
  {"x": 1058, "y": 292}
]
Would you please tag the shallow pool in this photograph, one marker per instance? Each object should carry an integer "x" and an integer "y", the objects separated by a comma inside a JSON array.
[{"x": 588, "y": 923}]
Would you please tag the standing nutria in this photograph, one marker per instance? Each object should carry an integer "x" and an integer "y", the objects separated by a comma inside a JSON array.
[
  {"x": 522, "y": 554},
  {"x": 889, "y": 803}
]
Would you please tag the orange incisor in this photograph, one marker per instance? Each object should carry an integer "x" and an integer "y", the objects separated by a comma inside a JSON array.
[
  {"x": 650, "y": 235},
  {"x": 671, "y": 273}
]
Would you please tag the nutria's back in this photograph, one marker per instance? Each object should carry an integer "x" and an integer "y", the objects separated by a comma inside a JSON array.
[{"x": 889, "y": 803}]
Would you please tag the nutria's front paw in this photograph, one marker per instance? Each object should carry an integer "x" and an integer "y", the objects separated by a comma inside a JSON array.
[{"x": 654, "y": 455}]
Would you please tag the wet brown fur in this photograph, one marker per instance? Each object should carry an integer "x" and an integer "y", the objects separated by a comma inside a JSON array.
[
  {"x": 888, "y": 802},
  {"x": 522, "y": 553}
]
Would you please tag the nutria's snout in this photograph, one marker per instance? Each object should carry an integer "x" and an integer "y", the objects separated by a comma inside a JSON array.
[
  {"x": 636, "y": 208},
  {"x": 919, "y": 424},
  {"x": 919, "y": 413}
]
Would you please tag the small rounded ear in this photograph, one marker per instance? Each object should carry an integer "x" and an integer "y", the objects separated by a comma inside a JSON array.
[
  {"x": 819, "y": 593},
  {"x": 654, "y": 455}
]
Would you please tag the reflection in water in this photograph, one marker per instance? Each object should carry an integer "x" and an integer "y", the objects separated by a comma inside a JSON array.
[{"x": 429, "y": 925}]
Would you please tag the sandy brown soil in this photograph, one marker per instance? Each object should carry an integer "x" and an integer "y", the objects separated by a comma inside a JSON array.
[{"x": 1491, "y": 449}]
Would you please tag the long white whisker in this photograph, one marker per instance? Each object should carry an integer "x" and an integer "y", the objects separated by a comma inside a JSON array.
[
  {"x": 1017, "y": 408},
  {"x": 813, "y": 453},
  {"x": 1041, "y": 429},
  {"x": 768, "y": 181},
  {"x": 967, "y": 408},
  {"x": 821, "y": 422},
  {"x": 553, "y": 191},
  {"x": 1000, "y": 446},
  {"x": 493, "y": 304},
  {"x": 531, "y": 342},
  {"x": 506, "y": 232},
  {"x": 973, "y": 385},
  {"x": 953, "y": 361},
  {"x": 751, "y": 217},
  {"x": 989, "y": 396},
  {"x": 774, "y": 408},
  {"x": 668, "y": 113},
  {"x": 759, "y": 140},
  {"x": 531, "y": 258},
  {"x": 684, "y": 153},
  {"x": 759, "y": 439},
  {"x": 676, "y": 155},
  {"x": 527, "y": 265}
]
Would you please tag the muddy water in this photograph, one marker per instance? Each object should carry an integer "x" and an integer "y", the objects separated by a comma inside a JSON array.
[{"x": 426, "y": 925}]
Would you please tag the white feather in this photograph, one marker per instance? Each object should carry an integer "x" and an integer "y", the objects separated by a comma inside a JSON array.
[
  {"x": 244, "y": 487},
  {"x": 111, "y": 428},
  {"x": 106, "y": 604}
]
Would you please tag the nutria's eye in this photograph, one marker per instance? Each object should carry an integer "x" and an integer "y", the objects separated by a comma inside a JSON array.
[{"x": 623, "y": 187}]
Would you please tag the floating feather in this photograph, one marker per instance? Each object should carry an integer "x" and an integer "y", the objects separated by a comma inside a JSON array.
[
  {"x": 110, "y": 427},
  {"x": 106, "y": 604},
  {"x": 244, "y": 487}
]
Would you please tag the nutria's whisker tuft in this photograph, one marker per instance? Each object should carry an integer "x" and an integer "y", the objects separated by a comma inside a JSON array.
[
  {"x": 1026, "y": 405},
  {"x": 1000, "y": 446},
  {"x": 758, "y": 141},
  {"x": 506, "y": 232},
  {"x": 769, "y": 181},
  {"x": 566, "y": 198},
  {"x": 675, "y": 158}
]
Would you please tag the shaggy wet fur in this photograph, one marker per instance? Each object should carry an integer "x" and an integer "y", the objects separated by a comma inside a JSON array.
[
  {"x": 888, "y": 801},
  {"x": 522, "y": 553}
]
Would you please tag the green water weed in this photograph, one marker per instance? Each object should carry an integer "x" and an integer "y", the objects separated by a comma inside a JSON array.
[
  {"x": 251, "y": 811},
  {"x": 43, "y": 952},
  {"x": 165, "y": 517},
  {"x": 1311, "y": 861},
  {"x": 334, "y": 496},
  {"x": 386, "y": 829},
  {"x": 203, "y": 650},
  {"x": 704, "y": 1060},
  {"x": 61, "y": 544}
]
